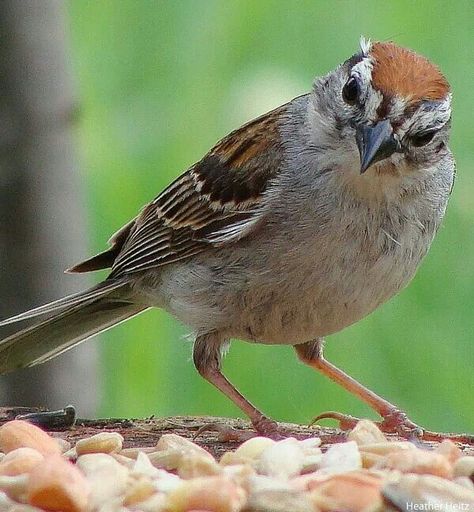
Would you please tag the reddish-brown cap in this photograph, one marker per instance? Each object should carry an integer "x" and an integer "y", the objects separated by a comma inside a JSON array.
[{"x": 401, "y": 72}]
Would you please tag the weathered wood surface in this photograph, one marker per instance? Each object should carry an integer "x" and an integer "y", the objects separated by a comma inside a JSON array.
[{"x": 146, "y": 432}]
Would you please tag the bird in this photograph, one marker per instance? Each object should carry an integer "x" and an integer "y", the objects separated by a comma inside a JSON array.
[{"x": 294, "y": 226}]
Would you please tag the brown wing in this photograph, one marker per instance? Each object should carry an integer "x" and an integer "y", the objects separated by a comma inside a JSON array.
[{"x": 216, "y": 201}]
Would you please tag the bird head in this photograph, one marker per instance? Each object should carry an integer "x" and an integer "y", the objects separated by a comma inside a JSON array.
[{"x": 393, "y": 104}]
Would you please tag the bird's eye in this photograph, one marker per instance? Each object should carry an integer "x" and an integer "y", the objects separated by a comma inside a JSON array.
[
  {"x": 350, "y": 91},
  {"x": 422, "y": 139}
]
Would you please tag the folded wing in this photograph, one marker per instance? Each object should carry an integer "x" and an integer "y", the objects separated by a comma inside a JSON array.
[{"x": 215, "y": 202}]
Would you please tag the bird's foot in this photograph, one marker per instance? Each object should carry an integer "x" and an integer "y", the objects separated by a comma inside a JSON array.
[
  {"x": 396, "y": 422},
  {"x": 226, "y": 434},
  {"x": 266, "y": 427}
]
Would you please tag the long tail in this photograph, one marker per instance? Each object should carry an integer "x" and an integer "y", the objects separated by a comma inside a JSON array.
[{"x": 73, "y": 319}]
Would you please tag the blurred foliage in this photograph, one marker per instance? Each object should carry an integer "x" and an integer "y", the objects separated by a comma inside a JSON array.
[{"x": 159, "y": 83}]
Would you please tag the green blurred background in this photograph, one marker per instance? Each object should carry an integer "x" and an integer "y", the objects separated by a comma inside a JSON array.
[{"x": 162, "y": 81}]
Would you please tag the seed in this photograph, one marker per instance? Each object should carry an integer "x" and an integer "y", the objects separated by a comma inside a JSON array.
[
  {"x": 425, "y": 490},
  {"x": 63, "y": 444},
  {"x": 139, "y": 489},
  {"x": 341, "y": 457},
  {"x": 418, "y": 461},
  {"x": 465, "y": 467},
  {"x": 212, "y": 494},
  {"x": 279, "y": 501},
  {"x": 56, "y": 484},
  {"x": 14, "y": 486},
  {"x": 106, "y": 476},
  {"x": 153, "y": 504},
  {"x": 253, "y": 448},
  {"x": 449, "y": 450},
  {"x": 387, "y": 447},
  {"x": 366, "y": 432},
  {"x": 19, "y": 461},
  {"x": 105, "y": 442},
  {"x": 355, "y": 491},
  {"x": 192, "y": 466},
  {"x": 21, "y": 434},
  {"x": 283, "y": 459}
]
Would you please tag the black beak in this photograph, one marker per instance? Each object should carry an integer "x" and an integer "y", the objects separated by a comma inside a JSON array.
[{"x": 375, "y": 143}]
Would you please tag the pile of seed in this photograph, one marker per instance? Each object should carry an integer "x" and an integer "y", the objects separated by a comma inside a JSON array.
[{"x": 366, "y": 473}]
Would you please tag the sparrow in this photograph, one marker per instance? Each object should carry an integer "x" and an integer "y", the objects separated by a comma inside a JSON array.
[{"x": 291, "y": 228}]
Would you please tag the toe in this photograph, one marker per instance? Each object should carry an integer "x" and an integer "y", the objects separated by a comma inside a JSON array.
[
  {"x": 346, "y": 421},
  {"x": 266, "y": 427}
]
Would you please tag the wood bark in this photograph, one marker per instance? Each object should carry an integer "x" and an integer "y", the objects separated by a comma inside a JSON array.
[
  {"x": 41, "y": 209},
  {"x": 206, "y": 431}
]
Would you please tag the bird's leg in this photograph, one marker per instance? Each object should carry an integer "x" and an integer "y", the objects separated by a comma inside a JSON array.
[
  {"x": 207, "y": 359},
  {"x": 394, "y": 420},
  {"x": 311, "y": 353}
]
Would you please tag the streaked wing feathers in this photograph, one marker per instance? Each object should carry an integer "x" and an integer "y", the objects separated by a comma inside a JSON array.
[{"x": 216, "y": 201}]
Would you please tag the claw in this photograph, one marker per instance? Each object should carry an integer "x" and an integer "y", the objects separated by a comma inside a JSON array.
[
  {"x": 267, "y": 427},
  {"x": 226, "y": 434},
  {"x": 396, "y": 422},
  {"x": 263, "y": 426},
  {"x": 456, "y": 438},
  {"x": 346, "y": 422}
]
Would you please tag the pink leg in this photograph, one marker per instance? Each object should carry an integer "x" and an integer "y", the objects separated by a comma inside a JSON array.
[
  {"x": 207, "y": 359},
  {"x": 394, "y": 420}
]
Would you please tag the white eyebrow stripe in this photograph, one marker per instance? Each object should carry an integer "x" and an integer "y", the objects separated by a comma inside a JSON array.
[
  {"x": 363, "y": 70},
  {"x": 427, "y": 118},
  {"x": 373, "y": 98}
]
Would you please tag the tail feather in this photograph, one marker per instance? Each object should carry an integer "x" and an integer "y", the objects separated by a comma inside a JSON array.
[
  {"x": 62, "y": 331},
  {"x": 97, "y": 291}
]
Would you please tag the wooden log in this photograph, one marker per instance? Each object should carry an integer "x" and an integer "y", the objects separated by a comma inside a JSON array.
[{"x": 206, "y": 431}]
